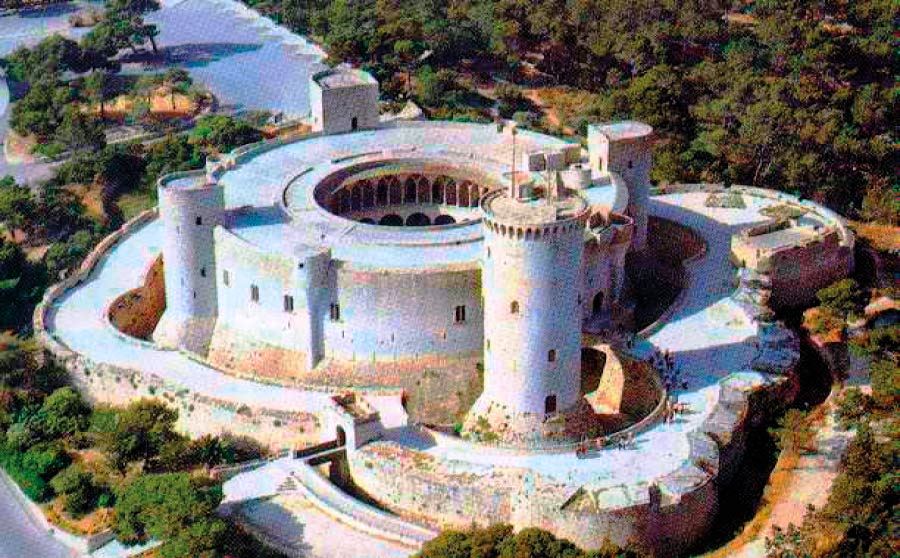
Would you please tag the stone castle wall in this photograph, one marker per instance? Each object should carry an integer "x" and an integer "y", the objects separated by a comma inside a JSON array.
[{"x": 198, "y": 413}]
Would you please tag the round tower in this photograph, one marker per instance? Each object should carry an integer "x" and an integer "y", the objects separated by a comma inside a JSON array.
[
  {"x": 190, "y": 207},
  {"x": 626, "y": 148},
  {"x": 532, "y": 318}
]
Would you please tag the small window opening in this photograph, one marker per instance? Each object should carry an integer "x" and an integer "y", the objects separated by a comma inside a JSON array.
[
  {"x": 514, "y": 307},
  {"x": 226, "y": 278},
  {"x": 254, "y": 293},
  {"x": 551, "y": 355},
  {"x": 335, "y": 312},
  {"x": 460, "y": 314},
  {"x": 288, "y": 303},
  {"x": 199, "y": 220},
  {"x": 202, "y": 272}
]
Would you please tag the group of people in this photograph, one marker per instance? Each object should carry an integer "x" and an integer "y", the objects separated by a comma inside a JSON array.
[
  {"x": 671, "y": 373},
  {"x": 621, "y": 441}
]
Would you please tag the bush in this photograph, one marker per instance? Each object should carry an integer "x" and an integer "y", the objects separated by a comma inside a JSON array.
[
  {"x": 78, "y": 489},
  {"x": 793, "y": 432},
  {"x": 174, "y": 508},
  {"x": 844, "y": 298},
  {"x": 64, "y": 413},
  {"x": 852, "y": 407},
  {"x": 33, "y": 469},
  {"x": 885, "y": 375}
]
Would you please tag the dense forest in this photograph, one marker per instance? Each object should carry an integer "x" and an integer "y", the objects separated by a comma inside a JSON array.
[{"x": 790, "y": 94}]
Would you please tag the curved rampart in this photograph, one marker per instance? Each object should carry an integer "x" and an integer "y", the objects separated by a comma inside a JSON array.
[{"x": 106, "y": 383}]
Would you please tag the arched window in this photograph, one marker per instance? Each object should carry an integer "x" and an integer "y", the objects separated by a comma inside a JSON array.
[
  {"x": 514, "y": 307},
  {"x": 551, "y": 355}
]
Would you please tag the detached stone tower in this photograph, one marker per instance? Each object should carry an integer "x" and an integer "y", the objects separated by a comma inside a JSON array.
[
  {"x": 626, "y": 148},
  {"x": 531, "y": 278},
  {"x": 343, "y": 100},
  {"x": 190, "y": 207}
]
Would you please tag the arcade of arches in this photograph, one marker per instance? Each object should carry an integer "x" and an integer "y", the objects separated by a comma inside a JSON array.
[{"x": 412, "y": 200}]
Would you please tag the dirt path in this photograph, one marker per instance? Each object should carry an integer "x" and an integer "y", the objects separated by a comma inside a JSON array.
[
  {"x": 550, "y": 113},
  {"x": 797, "y": 482}
]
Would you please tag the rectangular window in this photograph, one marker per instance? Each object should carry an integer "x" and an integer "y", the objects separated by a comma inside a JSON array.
[
  {"x": 202, "y": 272},
  {"x": 288, "y": 303},
  {"x": 460, "y": 314},
  {"x": 335, "y": 312},
  {"x": 254, "y": 293},
  {"x": 199, "y": 220},
  {"x": 226, "y": 278}
]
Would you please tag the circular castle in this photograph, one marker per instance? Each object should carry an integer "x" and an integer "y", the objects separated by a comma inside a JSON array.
[{"x": 456, "y": 303}]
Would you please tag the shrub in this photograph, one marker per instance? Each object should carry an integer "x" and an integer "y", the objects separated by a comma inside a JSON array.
[
  {"x": 793, "y": 432},
  {"x": 885, "y": 376},
  {"x": 852, "y": 407},
  {"x": 64, "y": 413},
  {"x": 844, "y": 298},
  {"x": 78, "y": 489}
]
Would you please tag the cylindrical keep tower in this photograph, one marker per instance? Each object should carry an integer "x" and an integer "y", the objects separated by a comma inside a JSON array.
[
  {"x": 190, "y": 207},
  {"x": 626, "y": 148},
  {"x": 531, "y": 272}
]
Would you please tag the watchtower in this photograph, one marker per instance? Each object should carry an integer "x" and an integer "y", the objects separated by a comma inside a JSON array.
[
  {"x": 532, "y": 319},
  {"x": 343, "y": 100},
  {"x": 626, "y": 148},
  {"x": 190, "y": 207}
]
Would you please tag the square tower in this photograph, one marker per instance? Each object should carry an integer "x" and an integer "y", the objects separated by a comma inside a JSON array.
[{"x": 343, "y": 100}]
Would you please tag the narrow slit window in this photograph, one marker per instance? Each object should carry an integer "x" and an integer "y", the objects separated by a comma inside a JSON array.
[
  {"x": 335, "y": 312},
  {"x": 288, "y": 303},
  {"x": 254, "y": 293},
  {"x": 460, "y": 314},
  {"x": 551, "y": 355},
  {"x": 226, "y": 278}
]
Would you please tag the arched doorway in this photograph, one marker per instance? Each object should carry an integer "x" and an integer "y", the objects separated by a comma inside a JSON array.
[
  {"x": 418, "y": 220},
  {"x": 597, "y": 304},
  {"x": 444, "y": 220},
  {"x": 550, "y": 404},
  {"x": 341, "y": 436},
  {"x": 391, "y": 220}
]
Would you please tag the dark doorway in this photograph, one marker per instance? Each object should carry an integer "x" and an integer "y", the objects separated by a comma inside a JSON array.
[
  {"x": 550, "y": 404},
  {"x": 597, "y": 305},
  {"x": 354, "y": 123},
  {"x": 418, "y": 220},
  {"x": 444, "y": 220},
  {"x": 341, "y": 436},
  {"x": 391, "y": 220}
]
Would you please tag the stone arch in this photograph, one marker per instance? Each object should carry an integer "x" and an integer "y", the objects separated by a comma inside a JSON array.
[
  {"x": 437, "y": 190},
  {"x": 450, "y": 192},
  {"x": 528, "y": 234},
  {"x": 463, "y": 197},
  {"x": 343, "y": 201},
  {"x": 395, "y": 190},
  {"x": 409, "y": 189},
  {"x": 391, "y": 220},
  {"x": 368, "y": 194},
  {"x": 444, "y": 220},
  {"x": 418, "y": 220},
  {"x": 381, "y": 193},
  {"x": 423, "y": 190},
  {"x": 473, "y": 194}
]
